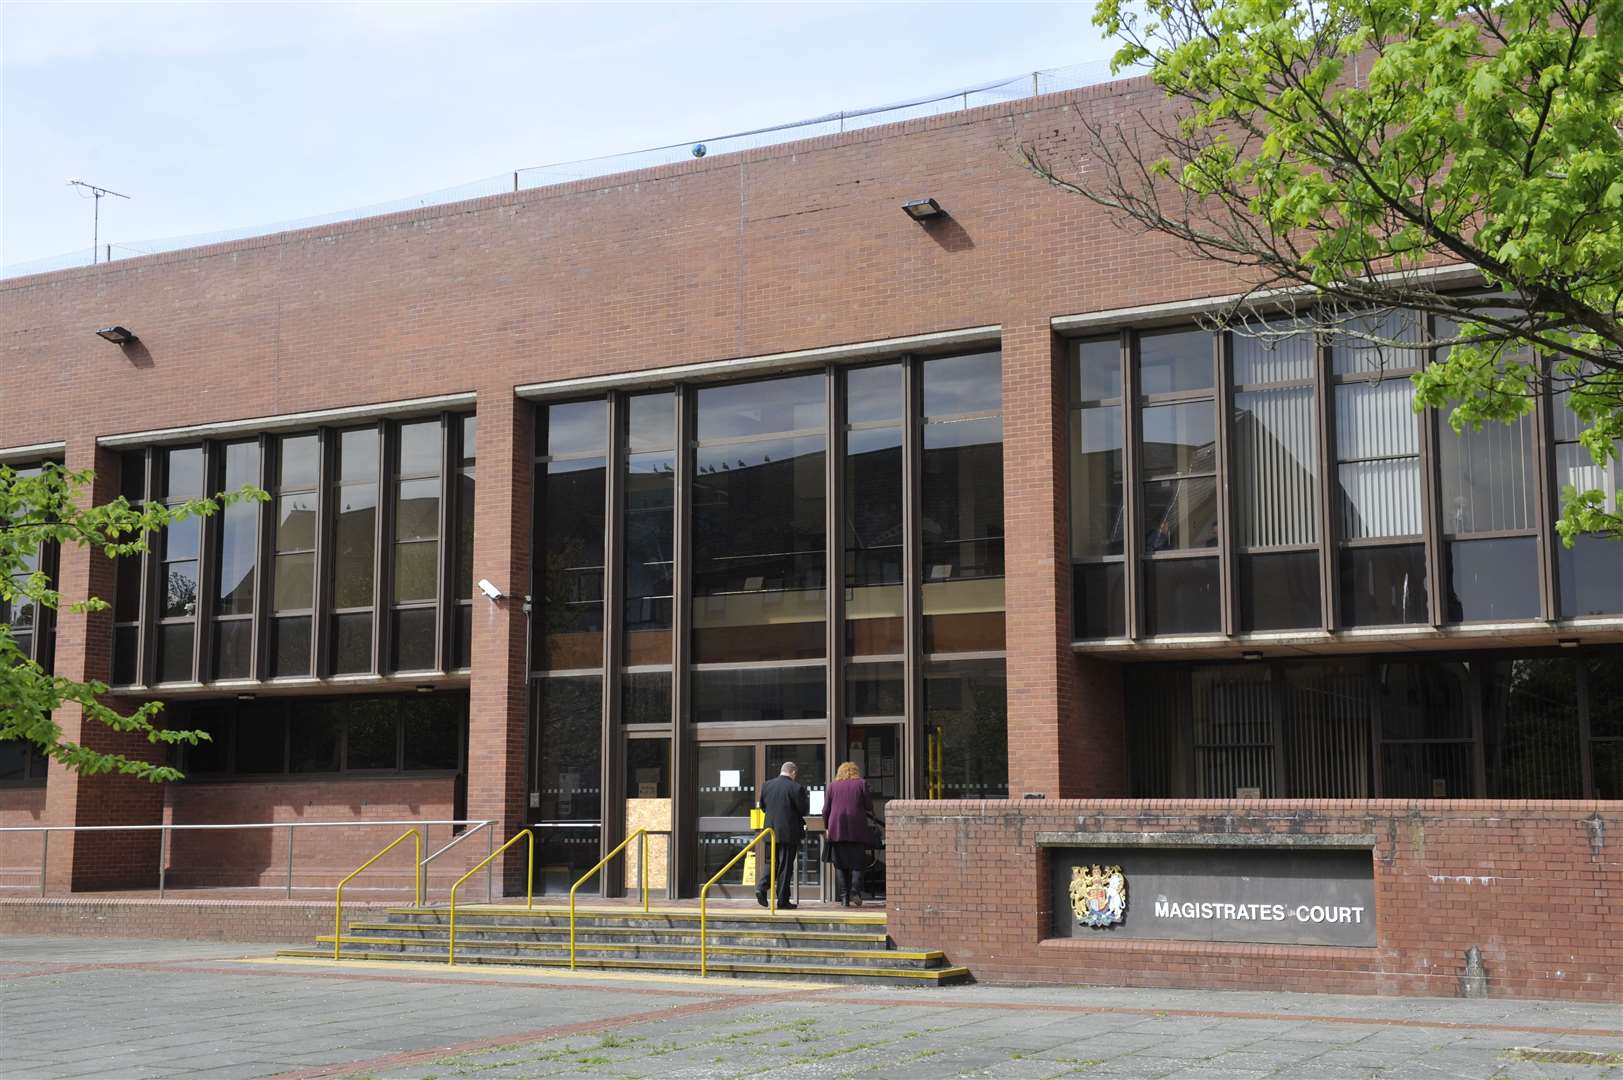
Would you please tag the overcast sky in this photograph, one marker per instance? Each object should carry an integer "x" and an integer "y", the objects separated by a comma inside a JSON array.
[{"x": 223, "y": 116}]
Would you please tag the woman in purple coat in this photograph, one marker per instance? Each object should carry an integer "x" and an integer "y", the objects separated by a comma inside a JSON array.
[{"x": 849, "y": 836}]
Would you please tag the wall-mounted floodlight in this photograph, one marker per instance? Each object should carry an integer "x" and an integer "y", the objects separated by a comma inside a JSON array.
[
  {"x": 922, "y": 210},
  {"x": 1567, "y": 642},
  {"x": 118, "y": 335}
]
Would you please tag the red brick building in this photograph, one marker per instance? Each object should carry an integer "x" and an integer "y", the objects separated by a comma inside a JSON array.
[{"x": 763, "y": 468}]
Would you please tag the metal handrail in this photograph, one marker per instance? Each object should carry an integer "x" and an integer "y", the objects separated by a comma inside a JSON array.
[
  {"x": 417, "y": 874},
  {"x": 529, "y": 886},
  {"x": 455, "y": 840},
  {"x": 704, "y": 892},
  {"x": 45, "y": 832},
  {"x": 601, "y": 863}
]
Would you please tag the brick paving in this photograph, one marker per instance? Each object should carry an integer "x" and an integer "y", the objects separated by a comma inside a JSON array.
[{"x": 73, "y": 1008}]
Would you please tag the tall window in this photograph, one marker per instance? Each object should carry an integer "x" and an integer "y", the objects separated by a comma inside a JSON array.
[
  {"x": 1098, "y": 508},
  {"x": 181, "y": 545},
  {"x": 649, "y": 480},
  {"x": 760, "y": 549},
  {"x": 1590, "y": 573},
  {"x": 1382, "y": 557},
  {"x": 875, "y": 541},
  {"x": 417, "y": 544},
  {"x": 462, "y": 586},
  {"x": 569, "y": 497},
  {"x": 32, "y": 629},
  {"x": 1178, "y": 485},
  {"x": 354, "y": 563},
  {"x": 1276, "y": 479},
  {"x": 128, "y": 579},
  {"x": 239, "y": 560},
  {"x": 297, "y": 483}
]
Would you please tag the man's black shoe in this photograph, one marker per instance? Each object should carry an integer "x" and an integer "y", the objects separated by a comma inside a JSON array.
[
  {"x": 787, "y": 906},
  {"x": 759, "y": 899}
]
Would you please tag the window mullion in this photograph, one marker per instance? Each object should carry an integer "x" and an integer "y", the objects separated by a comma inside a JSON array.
[{"x": 1133, "y": 575}]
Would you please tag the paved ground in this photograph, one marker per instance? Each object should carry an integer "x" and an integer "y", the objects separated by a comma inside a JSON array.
[{"x": 81, "y": 1008}]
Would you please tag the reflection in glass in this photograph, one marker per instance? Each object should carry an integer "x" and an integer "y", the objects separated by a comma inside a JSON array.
[
  {"x": 1179, "y": 439},
  {"x": 1276, "y": 472},
  {"x": 1279, "y": 591},
  {"x": 645, "y": 697},
  {"x": 650, "y": 522},
  {"x": 290, "y": 646},
  {"x": 873, "y": 541},
  {"x": 966, "y": 711},
  {"x": 175, "y": 652},
  {"x": 1174, "y": 361},
  {"x": 1096, "y": 372},
  {"x": 873, "y": 394},
  {"x": 1530, "y": 728},
  {"x": 1488, "y": 482},
  {"x": 239, "y": 527},
  {"x": 757, "y": 694},
  {"x": 1276, "y": 352},
  {"x": 413, "y": 639},
  {"x": 874, "y": 690},
  {"x": 1492, "y": 579},
  {"x": 1098, "y": 599},
  {"x": 955, "y": 385},
  {"x": 569, "y": 748},
  {"x": 233, "y": 648},
  {"x": 1376, "y": 342},
  {"x": 569, "y": 545},
  {"x": 1181, "y": 596},
  {"x": 1097, "y": 507},
  {"x": 765, "y": 407},
  {"x": 1383, "y": 586},
  {"x": 1180, "y": 514}
]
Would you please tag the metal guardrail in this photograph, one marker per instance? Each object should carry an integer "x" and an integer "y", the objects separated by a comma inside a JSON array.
[
  {"x": 417, "y": 877},
  {"x": 166, "y": 830},
  {"x": 604, "y": 861},
  {"x": 529, "y": 887},
  {"x": 704, "y": 892}
]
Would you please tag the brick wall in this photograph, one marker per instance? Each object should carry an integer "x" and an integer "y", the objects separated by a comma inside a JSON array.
[
  {"x": 1537, "y": 886},
  {"x": 273, "y": 922},
  {"x": 20, "y": 852}
]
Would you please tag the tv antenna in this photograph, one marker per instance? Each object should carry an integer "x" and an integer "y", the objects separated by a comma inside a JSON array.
[{"x": 95, "y": 221}]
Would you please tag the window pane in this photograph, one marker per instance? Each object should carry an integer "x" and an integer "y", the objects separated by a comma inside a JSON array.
[
  {"x": 181, "y": 539},
  {"x": 1379, "y": 499},
  {"x": 462, "y": 586},
  {"x": 211, "y": 755},
  {"x": 575, "y": 427},
  {"x": 966, "y": 707},
  {"x": 433, "y": 732},
  {"x": 719, "y": 794},
  {"x": 300, "y": 455},
  {"x": 239, "y": 527},
  {"x": 874, "y": 689},
  {"x": 759, "y": 539},
  {"x": 355, "y": 544},
  {"x": 1278, "y": 352},
  {"x": 1492, "y": 579},
  {"x": 1180, "y": 514},
  {"x": 296, "y": 522},
  {"x": 1530, "y": 729},
  {"x": 185, "y": 474},
  {"x": 648, "y": 769},
  {"x": 233, "y": 648},
  {"x": 371, "y": 739},
  {"x": 180, "y": 590},
  {"x": 1424, "y": 699},
  {"x": 873, "y": 394},
  {"x": 1591, "y": 575},
  {"x": 358, "y": 456},
  {"x": 961, "y": 503},
  {"x": 748, "y": 695},
  {"x": 1607, "y": 762},
  {"x": 873, "y": 541},
  {"x": 290, "y": 646},
  {"x": 766, "y": 407},
  {"x": 261, "y": 740},
  {"x": 650, "y": 422},
  {"x": 313, "y": 738},
  {"x": 1180, "y": 439},
  {"x": 1098, "y": 600},
  {"x": 352, "y": 643},
  {"x": 569, "y": 548},
  {"x": 1097, "y": 509},
  {"x": 420, "y": 449},
  {"x": 1375, "y": 342},
  {"x": 1181, "y": 596},
  {"x": 1276, "y": 468},
  {"x": 175, "y": 652},
  {"x": 1605, "y": 693},
  {"x": 1173, "y": 361},
  {"x": 1487, "y": 477},
  {"x": 416, "y": 571},
  {"x": 1383, "y": 586},
  {"x": 1279, "y": 591},
  {"x": 963, "y": 384},
  {"x": 125, "y": 642},
  {"x": 1096, "y": 373},
  {"x": 569, "y": 741},
  {"x": 650, "y": 523},
  {"x": 645, "y": 697},
  {"x": 462, "y": 636},
  {"x": 1378, "y": 442},
  {"x": 417, "y": 509},
  {"x": 294, "y": 585},
  {"x": 963, "y": 615},
  {"x": 414, "y": 640}
]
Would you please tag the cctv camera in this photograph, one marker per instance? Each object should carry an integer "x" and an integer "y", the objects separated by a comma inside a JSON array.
[{"x": 489, "y": 590}]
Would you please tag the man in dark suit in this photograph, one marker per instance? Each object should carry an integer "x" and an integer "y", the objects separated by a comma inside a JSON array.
[{"x": 786, "y": 803}]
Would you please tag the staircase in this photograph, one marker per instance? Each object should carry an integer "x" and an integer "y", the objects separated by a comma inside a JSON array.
[{"x": 819, "y": 946}]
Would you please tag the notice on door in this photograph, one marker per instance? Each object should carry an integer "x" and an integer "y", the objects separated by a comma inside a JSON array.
[{"x": 1296, "y": 896}]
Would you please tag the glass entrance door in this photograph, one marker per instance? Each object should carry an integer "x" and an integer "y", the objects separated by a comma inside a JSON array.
[
  {"x": 876, "y": 749},
  {"x": 730, "y": 776}
]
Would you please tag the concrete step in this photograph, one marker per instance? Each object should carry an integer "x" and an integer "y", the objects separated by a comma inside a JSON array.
[
  {"x": 589, "y": 932},
  {"x": 489, "y": 945},
  {"x": 830, "y": 973}
]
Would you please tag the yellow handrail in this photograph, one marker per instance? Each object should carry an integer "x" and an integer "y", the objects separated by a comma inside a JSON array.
[
  {"x": 601, "y": 863},
  {"x": 417, "y": 882},
  {"x": 704, "y": 952},
  {"x": 529, "y": 886}
]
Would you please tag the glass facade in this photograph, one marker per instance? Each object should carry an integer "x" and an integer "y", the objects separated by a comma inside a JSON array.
[{"x": 292, "y": 588}]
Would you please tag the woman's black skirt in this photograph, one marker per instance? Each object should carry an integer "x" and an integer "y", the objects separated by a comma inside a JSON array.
[{"x": 847, "y": 855}]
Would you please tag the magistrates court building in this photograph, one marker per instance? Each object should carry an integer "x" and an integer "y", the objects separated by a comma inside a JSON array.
[{"x": 764, "y": 467}]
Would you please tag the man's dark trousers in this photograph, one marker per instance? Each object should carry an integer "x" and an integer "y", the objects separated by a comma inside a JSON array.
[
  {"x": 786, "y": 803},
  {"x": 786, "y": 868}
]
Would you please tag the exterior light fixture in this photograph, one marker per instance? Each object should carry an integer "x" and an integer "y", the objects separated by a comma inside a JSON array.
[
  {"x": 425, "y": 688},
  {"x": 923, "y": 210},
  {"x": 1567, "y": 642},
  {"x": 245, "y": 697},
  {"x": 1251, "y": 656},
  {"x": 118, "y": 335}
]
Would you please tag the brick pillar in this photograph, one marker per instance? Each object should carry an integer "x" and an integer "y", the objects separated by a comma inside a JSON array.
[
  {"x": 91, "y": 861},
  {"x": 498, "y": 720},
  {"x": 1066, "y": 737}
]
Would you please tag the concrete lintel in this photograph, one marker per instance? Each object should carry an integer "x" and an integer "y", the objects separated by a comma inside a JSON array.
[
  {"x": 225, "y": 429},
  {"x": 29, "y": 454},
  {"x": 1206, "y": 840}
]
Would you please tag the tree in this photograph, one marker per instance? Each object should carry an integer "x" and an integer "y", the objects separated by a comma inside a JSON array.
[
  {"x": 1340, "y": 152},
  {"x": 40, "y": 508}
]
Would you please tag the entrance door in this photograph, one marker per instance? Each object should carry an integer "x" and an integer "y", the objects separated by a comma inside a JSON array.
[
  {"x": 876, "y": 749},
  {"x": 730, "y": 776}
]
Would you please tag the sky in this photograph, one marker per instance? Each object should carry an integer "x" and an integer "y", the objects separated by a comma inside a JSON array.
[{"x": 222, "y": 116}]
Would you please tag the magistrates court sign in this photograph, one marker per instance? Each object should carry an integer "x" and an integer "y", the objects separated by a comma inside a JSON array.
[{"x": 1295, "y": 896}]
